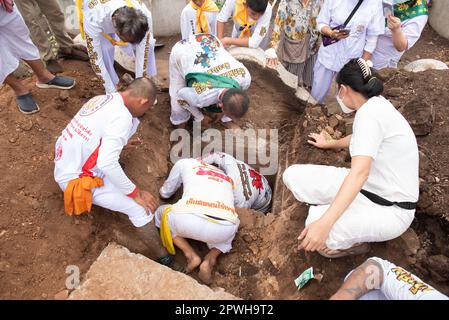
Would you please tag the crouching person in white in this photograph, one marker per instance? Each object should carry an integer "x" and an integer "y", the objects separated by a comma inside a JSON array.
[
  {"x": 373, "y": 201},
  {"x": 379, "y": 279},
  {"x": 87, "y": 160},
  {"x": 252, "y": 190},
  {"x": 204, "y": 213}
]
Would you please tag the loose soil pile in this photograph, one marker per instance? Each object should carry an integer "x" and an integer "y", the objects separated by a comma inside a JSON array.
[{"x": 38, "y": 241}]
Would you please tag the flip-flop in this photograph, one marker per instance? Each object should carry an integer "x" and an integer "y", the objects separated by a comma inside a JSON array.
[
  {"x": 354, "y": 250},
  {"x": 58, "y": 82},
  {"x": 26, "y": 104}
]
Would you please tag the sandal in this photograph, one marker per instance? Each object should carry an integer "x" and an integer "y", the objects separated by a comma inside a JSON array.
[
  {"x": 359, "y": 248},
  {"x": 27, "y": 104},
  {"x": 58, "y": 82}
]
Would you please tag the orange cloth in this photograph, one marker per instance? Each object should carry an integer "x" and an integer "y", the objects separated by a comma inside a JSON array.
[{"x": 78, "y": 194}]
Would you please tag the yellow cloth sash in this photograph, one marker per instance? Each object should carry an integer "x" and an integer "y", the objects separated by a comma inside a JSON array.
[
  {"x": 79, "y": 10},
  {"x": 78, "y": 194},
  {"x": 165, "y": 233},
  {"x": 201, "y": 20},
  {"x": 241, "y": 17}
]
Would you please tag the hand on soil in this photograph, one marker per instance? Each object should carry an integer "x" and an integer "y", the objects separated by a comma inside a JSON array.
[
  {"x": 321, "y": 140},
  {"x": 314, "y": 236}
]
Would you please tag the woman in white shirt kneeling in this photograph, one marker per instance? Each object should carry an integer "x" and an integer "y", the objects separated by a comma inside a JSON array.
[{"x": 375, "y": 199}]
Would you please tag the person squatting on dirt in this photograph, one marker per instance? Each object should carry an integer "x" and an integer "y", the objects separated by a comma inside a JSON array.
[
  {"x": 204, "y": 213},
  {"x": 87, "y": 160},
  {"x": 252, "y": 190},
  {"x": 251, "y": 23},
  {"x": 379, "y": 279},
  {"x": 203, "y": 75},
  {"x": 15, "y": 44},
  {"x": 373, "y": 201},
  {"x": 124, "y": 23},
  {"x": 357, "y": 39},
  {"x": 199, "y": 16},
  {"x": 403, "y": 30},
  {"x": 32, "y": 11}
]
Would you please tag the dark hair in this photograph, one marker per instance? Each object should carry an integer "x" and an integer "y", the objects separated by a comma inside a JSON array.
[
  {"x": 131, "y": 23},
  {"x": 236, "y": 102},
  {"x": 353, "y": 76},
  {"x": 143, "y": 88},
  {"x": 258, "y": 6}
]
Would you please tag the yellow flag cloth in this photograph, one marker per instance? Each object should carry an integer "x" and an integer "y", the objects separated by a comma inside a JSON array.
[
  {"x": 241, "y": 17},
  {"x": 201, "y": 20},
  {"x": 79, "y": 10},
  {"x": 165, "y": 233},
  {"x": 78, "y": 195}
]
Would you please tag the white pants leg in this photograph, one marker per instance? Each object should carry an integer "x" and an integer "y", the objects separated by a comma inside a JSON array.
[
  {"x": 130, "y": 50},
  {"x": 108, "y": 51},
  {"x": 190, "y": 226},
  {"x": 179, "y": 114},
  {"x": 363, "y": 220},
  {"x": 322, "y": 81},
  {"x": 111, "y": 198},
  {"x": 15, "y": 43}
]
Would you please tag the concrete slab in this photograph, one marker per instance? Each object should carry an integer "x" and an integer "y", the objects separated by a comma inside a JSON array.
[{"x": 118, "y": 274}]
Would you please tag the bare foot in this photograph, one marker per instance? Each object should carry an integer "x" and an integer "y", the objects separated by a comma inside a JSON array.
[
  {"x": 192, "y": 263},
  {"x": 205, "y": 273}
]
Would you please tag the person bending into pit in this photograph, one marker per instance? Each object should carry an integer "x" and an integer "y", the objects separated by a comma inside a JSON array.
[
  {"x": 378, "y": 279},
  {"x": 252, "y": 190},
  {"x": 15, "y": 44},
  {"x": 204, "y": 76},
  {"x": 87, "y": 161},
  {"x": 204, "y": 213},
  {"x": 375, "y": 199},
  {"x": 125, "y": 23},
  {"x": 251, "y": 23}
]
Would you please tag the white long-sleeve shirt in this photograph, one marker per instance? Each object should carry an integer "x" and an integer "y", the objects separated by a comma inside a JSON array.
[
  {"x": 252, "y": 189},
  {"x": 91, "y": 143},
  {"x": 366, "y": 25},
  {"x": 259, "y": 31},
  {"x": 386, "y": 55},
  {"x": 188, "y": 22},
  {"x": 207, "y": 190},
  {"x": 97, "y": 20}
]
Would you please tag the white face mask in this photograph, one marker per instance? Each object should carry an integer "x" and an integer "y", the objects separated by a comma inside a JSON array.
[{"x": 343, "y": 107}]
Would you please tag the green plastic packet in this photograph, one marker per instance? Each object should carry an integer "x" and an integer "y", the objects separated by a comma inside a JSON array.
[{"x": 304, "y": 277}]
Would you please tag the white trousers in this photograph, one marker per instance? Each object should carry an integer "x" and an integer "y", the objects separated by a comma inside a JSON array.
[
  {"x": 322, "y": 81},
  {"x": 15, "y": 43},
  {"x": 190, "y": 226},
  {"x": 363, "y": 220},
  {"x": 109, "y": 197},
  {"x": 108, "y": 51},
  {"x": 179, "y": 113}
]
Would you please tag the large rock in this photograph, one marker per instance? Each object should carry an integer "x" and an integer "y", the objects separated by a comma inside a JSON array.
[
  {"x": 425, "y": 64},
  {"x": 420, "y": 115},
  {"x": 438, "y": 17},
  {"x": 120, "y": 274}
]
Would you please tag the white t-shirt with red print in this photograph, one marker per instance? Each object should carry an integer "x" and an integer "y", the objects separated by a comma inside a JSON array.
[{"x": 91, "y": 143}]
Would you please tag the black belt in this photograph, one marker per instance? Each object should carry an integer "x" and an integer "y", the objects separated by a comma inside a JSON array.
[{"x": 384, "y": 202}]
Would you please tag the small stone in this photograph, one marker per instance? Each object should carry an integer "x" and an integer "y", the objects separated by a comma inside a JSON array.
[
  {"x": 64, "y": 95},
  {"x": 16, "y": 232},
  {"x": 63, "y": 295},
  {"x": 13, "y": 139},
  {"x": 77, "y": 222},
  {"x": 305, "y": 124},
  {"x": 339, "y": 117},
  {"x": 2, "y": 233},
  {"x": 44, "y": 295},
  {"x": 254, "y": 248},
  {"x": 247, "y": 238},
  {"x": 26, "y": 126},
  {"x": 437, "y": 180},
  {"x": 333, "y": 122},
  {"x": 319, "y": 277},
  {"x": 330, "y": 130},
  {"x": 394, "y": 92}
]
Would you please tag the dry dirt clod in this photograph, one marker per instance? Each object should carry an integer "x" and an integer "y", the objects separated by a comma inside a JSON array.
[
  {"x": 64, "y": 95},
  {"x": 62, "y": 295}
]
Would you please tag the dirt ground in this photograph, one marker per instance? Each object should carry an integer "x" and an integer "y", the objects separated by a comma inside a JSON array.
[{"x": 38, "y": 241}]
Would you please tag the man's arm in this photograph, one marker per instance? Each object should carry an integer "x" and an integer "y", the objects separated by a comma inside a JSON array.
[
  {"x": 174, "y": 180},
  {"x": 367, "y": 277},
  {"x": 321, "y": 141},
  {"x": 223, "y": 17}
]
